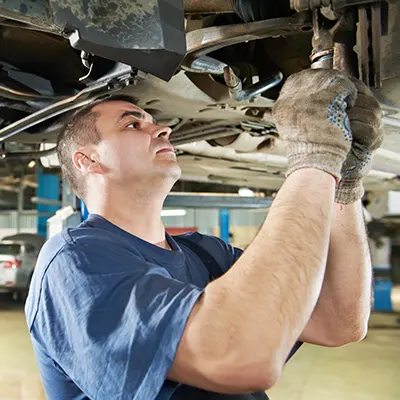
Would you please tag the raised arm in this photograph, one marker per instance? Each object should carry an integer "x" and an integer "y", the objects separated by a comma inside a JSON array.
[
  {"x": 342, "y": 311},
  {"x": 243, "y": 327}
]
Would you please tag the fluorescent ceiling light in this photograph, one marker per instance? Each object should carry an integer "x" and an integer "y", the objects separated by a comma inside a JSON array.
[
  {"x": 173, "y": 213},
  {"x": 246, "y": 192}
]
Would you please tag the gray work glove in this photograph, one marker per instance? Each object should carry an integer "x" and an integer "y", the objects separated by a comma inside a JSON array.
[
  {"x": 368, "y": 134},
  {"x": 310, "y": 115}
]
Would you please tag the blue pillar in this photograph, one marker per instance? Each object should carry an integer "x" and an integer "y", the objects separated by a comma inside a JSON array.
[
  {"x": 382, "y": 275},
  {"x": 48, "y": 188},
  {"x": 382, "y": 295},
  {"x": 224, "y": 224},
  {"x": 84, "y": 211},
  {"x": 382, "y": 289}
]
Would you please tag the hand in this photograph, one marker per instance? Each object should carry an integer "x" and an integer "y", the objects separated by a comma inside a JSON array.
[
  {"x": 368, "y": 135},
  {"x": 311, "y": 117}
]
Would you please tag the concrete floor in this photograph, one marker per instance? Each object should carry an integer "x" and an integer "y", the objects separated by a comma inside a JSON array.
[{"x": 369, "y": 370}]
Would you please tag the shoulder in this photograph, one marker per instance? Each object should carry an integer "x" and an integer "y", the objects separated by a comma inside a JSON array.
[
  {"x": 80, "y": 260},
  {"x": 225, "y": 254}
]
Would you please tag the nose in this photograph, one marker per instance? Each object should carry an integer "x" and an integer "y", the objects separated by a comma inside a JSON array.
[{"x": 163, "y": 132}]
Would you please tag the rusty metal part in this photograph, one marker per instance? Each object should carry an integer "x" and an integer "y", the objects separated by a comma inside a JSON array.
[
  {"x": 237, "y": 92},
  {"x": 337, "y": 4},
  {"x": 206, "y": 40},
  {"x": 208, "y": 6},
  {"x": 232, "y": 80},
  {"x": 330, "y": 13},
  {"x": 304, "y": 5},
  {"x": 364, "y": 44},
  {"x": 323, "y": 41},
  {"x": 376, "y": 28},
  {"x": 370, "y": 32},
  {"x": 342, "y": 57}
]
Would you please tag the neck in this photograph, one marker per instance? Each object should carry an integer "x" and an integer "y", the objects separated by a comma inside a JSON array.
[{"x": 138, "y": 212}]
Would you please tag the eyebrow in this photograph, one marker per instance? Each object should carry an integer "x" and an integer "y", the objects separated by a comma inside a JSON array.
[{"x": 136, "y": 114}]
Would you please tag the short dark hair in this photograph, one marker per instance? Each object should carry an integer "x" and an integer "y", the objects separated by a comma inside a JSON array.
[{"x": 80, "y": 130}]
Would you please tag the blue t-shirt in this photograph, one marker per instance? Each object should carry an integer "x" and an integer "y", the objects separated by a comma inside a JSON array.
[{"x": 106, "y": 311}]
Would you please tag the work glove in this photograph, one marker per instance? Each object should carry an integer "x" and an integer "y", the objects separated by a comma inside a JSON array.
[
  {"x": 368, "y": 135},
  {"x": 311, "y": 117}
]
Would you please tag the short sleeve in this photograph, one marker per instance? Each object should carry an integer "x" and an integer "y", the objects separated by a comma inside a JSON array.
[
  {"x": 224, "y": 254},
  {"x": 113, "y": 324}
]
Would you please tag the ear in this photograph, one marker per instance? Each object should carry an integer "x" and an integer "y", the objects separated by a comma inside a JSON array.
[{"x": 86, "y": 161}]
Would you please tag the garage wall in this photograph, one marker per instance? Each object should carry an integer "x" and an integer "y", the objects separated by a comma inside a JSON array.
[
  {"x": 9, "y": 223},
  {"x": 244, "y": 224},
  {"x": 206, "y": 220}
]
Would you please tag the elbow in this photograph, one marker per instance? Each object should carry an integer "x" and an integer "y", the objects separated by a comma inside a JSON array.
[
  {"x": 253, "y": 377},
  {"x": 262, "y": 379},
  {"x": 347, "y": 336},
  {"x": 356, "y": 335}
]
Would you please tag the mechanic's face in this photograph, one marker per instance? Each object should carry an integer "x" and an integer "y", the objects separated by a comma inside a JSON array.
[{"x": 133, "y": 147}]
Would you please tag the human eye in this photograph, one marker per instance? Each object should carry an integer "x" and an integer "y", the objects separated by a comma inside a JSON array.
[{"x": 134, "y": 125}]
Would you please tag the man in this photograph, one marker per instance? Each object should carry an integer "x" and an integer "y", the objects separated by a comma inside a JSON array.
[{"x": 118, "y": 310}]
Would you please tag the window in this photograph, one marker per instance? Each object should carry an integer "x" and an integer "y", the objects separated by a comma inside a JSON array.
[{"x": 10, "y": 249}]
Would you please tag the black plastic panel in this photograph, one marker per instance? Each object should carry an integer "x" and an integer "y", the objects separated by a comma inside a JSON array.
[{"x": 146, "y": 34}]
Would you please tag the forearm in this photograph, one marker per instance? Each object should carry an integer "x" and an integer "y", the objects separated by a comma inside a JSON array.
[
  {"x": 258, "y": 309},
  {"x": 342, "y": 312}
]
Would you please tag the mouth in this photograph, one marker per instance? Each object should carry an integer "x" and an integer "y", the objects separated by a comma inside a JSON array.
[{"x": 166, "y": 150}]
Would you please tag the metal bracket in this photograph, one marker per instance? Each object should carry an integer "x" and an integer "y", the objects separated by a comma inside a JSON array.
[
  {"x": 370, "y": 32},
  {"x": 323, "y": 41}
]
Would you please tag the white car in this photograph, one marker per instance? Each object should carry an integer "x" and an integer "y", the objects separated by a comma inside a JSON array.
[{"x": 18, "y": 255}]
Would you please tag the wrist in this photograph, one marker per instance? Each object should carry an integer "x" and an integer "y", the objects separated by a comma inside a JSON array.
[
  {"x": 313, "y": 155},
  {"x": 349, "y": 191},
  {"x": 312, "y": 173}
]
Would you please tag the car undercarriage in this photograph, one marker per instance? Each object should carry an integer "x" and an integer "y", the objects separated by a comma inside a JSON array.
[{"x": 211, "y": 70}]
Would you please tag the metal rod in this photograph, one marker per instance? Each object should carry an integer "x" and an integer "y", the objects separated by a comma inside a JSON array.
[
  {"x": 90, "y": 93},
  {"x": 376, "y": 34},
  {"x": 38, "y": 200},
  {"x": 391, "y": 122},
  {"x": 12, "y": 94},
  {"x": 197, "y": 129},
  {"x": 205, "y": 65},
  {"x": 203, "y": 41},
  {"x": 56, "y": 109},
  {"x": 342, "y": 58},
  {"x": 209, "y": 135},
  {"x": 41, "y": 116},
  {"x": 208, "y": 6},
  {"x": 28, "y": 155},
  {"x": 236, "y": 90},
  {"x": 364, "y": 44},
  {"x": 20, "y": 204},
  {"x": 215, "y": 200},
  {"x": 303, "y": 5}
]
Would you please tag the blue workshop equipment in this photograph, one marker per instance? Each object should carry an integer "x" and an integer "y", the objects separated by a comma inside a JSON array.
[
  {"x": 48, "y": 189},
  {"x": 84, "y": 211},
  {"x": 382, "y": 290},
  {"x": 224, "y": 224}
]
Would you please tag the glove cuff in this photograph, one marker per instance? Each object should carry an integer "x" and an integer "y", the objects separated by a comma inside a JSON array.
[
  {"x": 349, "y": 191},
  {"x": 313, "y": 155}
]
